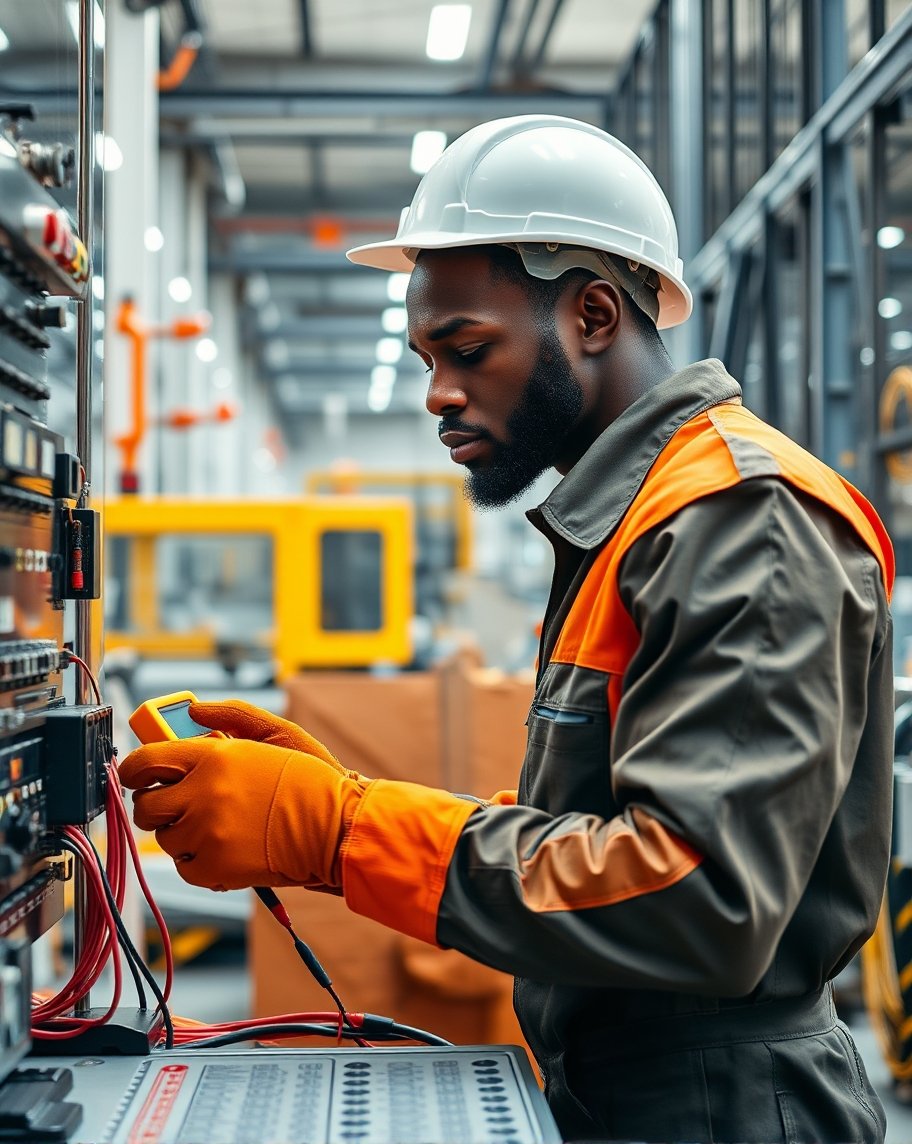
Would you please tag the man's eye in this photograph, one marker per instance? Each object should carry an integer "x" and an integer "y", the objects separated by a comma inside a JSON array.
[{"x": 474, "y": 355}]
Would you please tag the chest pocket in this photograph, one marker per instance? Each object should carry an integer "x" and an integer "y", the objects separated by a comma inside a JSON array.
[{"x": 566, "y": 766}]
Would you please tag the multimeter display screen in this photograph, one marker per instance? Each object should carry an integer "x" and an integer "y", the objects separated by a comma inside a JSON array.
[{"x": 177, "y": 716}]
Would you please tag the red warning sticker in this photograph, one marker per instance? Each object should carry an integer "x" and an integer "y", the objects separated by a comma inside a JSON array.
[{"x": 149, "y": 1124}]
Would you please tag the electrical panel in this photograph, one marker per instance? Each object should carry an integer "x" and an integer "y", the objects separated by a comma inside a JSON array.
[{"x": 51, "y": 756}]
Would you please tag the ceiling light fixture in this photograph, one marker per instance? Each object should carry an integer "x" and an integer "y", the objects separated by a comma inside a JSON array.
[
  {"x": 109, "y": 154},
  {"x": 389, "y": 351},
  {"x": 889, "y": 307},
  {"x": 4, "y": 40},
  {"x": 427, "y": 147},
  {"x": 397, "y": 286},
  {"x": 153, "y": 239},
  {"x": 890, "y": 236},
  {"x": 206, "y": 350},
  {"x": 394, "y": 320},
  {"x": 179, "y": 289},
  {"x": 448, "y": 31}
]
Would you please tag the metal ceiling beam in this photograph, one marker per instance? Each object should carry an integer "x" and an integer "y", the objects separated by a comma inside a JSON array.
[
  {"x": 340, "y": 373},
  {"x": 307, "y": 46},
  {"x": 185, "y": 103},
  {"x": 200, "y": 132},
  {"x": 539, "y": 55},
  {"x": 351, "y": 327},
  {"x": 493, "y": 47},
  {"x": 519, "y": 51},
  {"x": 286, "y": 261}
]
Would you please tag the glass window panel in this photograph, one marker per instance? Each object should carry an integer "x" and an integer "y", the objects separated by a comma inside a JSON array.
[{"x": 351, "y": 581}]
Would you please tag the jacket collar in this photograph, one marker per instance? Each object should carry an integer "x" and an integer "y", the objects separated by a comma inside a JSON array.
[{"x": 588, "y": 503}]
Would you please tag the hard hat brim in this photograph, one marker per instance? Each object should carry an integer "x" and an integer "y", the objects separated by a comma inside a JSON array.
[{"x": 675, "y": 299}]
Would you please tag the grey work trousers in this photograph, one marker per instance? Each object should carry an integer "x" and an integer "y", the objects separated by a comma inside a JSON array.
[{"x": 785, "y": 1072}]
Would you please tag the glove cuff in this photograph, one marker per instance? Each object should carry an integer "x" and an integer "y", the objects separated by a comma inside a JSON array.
[{"x": 397, "y": 852}]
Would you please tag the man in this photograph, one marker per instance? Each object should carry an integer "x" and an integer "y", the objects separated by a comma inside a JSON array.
[{"x": 700, "y": 837}]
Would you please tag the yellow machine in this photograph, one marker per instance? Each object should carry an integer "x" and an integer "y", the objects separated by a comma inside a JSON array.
[
  {"x": 336, "y": 576},
  {"x": 439, "y": 501}
]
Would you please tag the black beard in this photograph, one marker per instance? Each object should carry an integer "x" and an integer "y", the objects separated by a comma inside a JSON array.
[{"x": 548, "y": 410}]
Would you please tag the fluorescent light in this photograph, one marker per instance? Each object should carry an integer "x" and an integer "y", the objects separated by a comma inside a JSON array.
[
  {"x": 98, "y": 287},
  {"x": 889, "y": 307},
  {"x": 72, "y": 15},
  {"x": 109, "y": 153},
  {"x": 901, "y": 340},
  {"x": 397, "y": 286},
  {"x": 383, "y": 377},
  {"x": 866, "y": 355},
  {"x": 221, "y": 377},
  {"x": 378, "y": 399},
  {"x": 448, "y": 31},
  {"x": 154, "y": 239},
  {"x": 180, "y": 289},
  {"x": 394, "y": 320},
  {"x": 890, "y": 236},
  {"x": 206, "y": 350},
  {"x": 4, "y": 40},
  {"x": 427, "y": 147},
  {"x": 389, "y": 350}
]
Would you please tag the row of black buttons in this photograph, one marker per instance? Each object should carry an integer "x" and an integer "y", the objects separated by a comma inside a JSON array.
[
  {"x": 23, "y": 330},
  {"x": 22, "y": 501},
  {"x": 12, "y": 268},
  {"x": 23, "y": 383},
  {"x": 22, "y": 661}
]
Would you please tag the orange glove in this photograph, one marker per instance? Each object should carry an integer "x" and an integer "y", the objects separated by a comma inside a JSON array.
[
  {"x": 242, "y": 720},
  {"x": 235, "y": 813}
]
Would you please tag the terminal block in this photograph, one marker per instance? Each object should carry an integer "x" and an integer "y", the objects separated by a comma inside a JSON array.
[{"x": 79, "y": 741}]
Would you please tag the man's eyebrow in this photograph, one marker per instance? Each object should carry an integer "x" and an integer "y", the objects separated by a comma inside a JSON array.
[{"x": 444, "y": 331}]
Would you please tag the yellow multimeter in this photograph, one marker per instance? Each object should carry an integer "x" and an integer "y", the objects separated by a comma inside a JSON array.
[{"x": 166, "y": 718}]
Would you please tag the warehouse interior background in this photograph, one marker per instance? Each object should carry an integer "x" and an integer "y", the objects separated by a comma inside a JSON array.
[{"x": 281, "y": 520}]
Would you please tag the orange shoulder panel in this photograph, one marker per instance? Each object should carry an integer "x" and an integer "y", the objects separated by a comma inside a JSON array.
[{"x": 696, "y": 462}]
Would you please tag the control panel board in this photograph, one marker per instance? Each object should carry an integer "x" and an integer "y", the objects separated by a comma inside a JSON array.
[{"x": 472, "y": 1095}]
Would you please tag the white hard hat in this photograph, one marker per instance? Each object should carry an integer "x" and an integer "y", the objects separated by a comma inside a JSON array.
[{"x": 542, "y": 179}]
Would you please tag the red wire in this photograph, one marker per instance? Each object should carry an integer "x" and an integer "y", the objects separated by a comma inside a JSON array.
[
  {"x": 99, "y": 946},
  {"x": 88, "y": 671},
  {"x": 121, "y": 811}
]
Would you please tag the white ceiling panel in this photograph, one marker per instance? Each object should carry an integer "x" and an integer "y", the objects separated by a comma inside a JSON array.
[{"x": 267, "y": 27}]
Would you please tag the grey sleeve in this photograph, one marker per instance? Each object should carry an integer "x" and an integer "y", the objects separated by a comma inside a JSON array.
[{"x": 760, "y": 616}]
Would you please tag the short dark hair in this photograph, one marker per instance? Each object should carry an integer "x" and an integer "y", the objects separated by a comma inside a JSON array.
[{"x": 543, "y": 293}]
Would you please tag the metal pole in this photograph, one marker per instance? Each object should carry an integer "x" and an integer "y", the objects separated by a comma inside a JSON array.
[{"x": 85, "y": 211}]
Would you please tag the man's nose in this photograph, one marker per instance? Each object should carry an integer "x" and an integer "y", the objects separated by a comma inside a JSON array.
[{"x": 444, "y": 398}]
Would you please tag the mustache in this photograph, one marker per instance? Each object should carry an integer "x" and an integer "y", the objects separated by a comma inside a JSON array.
[{"x": 455, "y": 425}]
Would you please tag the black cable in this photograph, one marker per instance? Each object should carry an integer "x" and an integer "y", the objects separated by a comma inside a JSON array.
[
  {"x": 393, "y": 1032},
  {"x": 409, "y": 1033},
  {"x": 162, "y": 1006},
  {"x": 266, "y": 1031},
  {"x": 273, "y": 903},
  {"x": 65, "y": 844}
]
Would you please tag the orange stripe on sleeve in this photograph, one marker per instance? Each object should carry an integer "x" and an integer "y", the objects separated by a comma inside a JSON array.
[
  {"x": 397, "y": 851},
  {"x": 613, "y": 864}
]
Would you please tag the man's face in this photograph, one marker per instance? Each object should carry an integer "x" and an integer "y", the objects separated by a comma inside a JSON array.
[{"x": 501, "y": 382}]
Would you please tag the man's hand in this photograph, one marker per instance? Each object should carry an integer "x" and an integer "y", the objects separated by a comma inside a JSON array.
[
  {"x": 234, "y": 813},
  {"x": 242, "y": 720}
]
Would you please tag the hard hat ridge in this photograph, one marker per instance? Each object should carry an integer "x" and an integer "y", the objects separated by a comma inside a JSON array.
[{"x": 543, "y": 181}]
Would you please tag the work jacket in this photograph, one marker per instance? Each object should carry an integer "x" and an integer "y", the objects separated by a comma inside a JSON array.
[{"x": 704, "y": 805}]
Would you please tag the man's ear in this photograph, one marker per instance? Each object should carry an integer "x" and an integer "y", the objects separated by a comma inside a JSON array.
[{"x": 599, "y": 311}]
